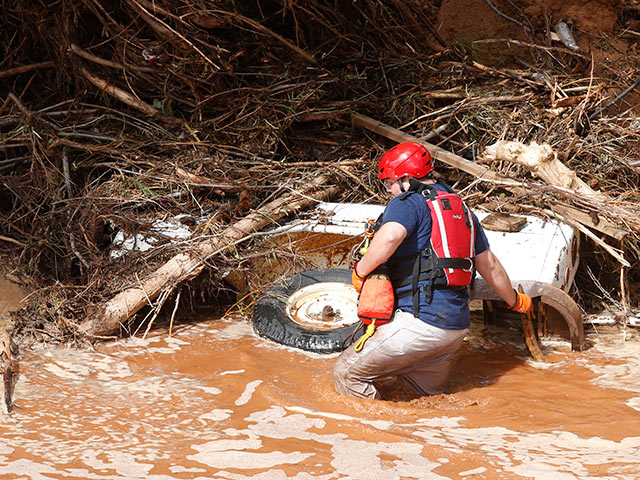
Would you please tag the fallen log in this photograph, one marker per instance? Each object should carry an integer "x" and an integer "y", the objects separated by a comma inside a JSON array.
[
  {"x": 8, "y": 368},
  {"x": 106, "y": 319}
]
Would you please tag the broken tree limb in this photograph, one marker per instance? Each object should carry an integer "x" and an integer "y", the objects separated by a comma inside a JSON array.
[
  {"x": 543, "y": 162},
  {"x": 26, "y": 68},
  {"x": 107, "y": 63},
  {"x": 120, "y": 94},
  {"x": 8, "y": 367},
  {"x": 106, "y": 319},
  {"x": 595, "y": 221},
  {"x": 12, "y": 240}
]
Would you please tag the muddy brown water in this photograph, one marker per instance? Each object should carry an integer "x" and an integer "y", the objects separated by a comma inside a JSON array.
[{"x": 213, "y": 400}]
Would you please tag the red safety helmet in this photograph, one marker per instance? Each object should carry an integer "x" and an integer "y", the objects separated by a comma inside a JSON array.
[{"x": 407, "y": 158}]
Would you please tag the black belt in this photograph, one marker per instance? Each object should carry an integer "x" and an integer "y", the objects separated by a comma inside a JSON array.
[{"x": 423, "y": 288}]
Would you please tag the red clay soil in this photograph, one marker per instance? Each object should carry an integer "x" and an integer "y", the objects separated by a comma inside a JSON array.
[
  {"x": 593, "y": 25},
  {"x": 475, "y": 19}
]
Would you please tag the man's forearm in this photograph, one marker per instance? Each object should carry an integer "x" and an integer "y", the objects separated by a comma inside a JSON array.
[{"x": 492, "y": 271}]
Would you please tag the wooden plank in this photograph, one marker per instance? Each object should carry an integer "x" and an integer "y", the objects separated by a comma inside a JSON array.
[
  {"x": 503, "y": 222},
  {"x": 602, "y": 224}
]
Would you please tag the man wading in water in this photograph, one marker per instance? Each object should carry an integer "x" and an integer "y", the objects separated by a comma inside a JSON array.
[{"x": 431, "y": 243}]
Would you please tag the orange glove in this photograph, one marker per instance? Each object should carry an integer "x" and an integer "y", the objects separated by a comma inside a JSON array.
[
  {"x": 523, "y": 304},
  {"x": 356, "y": 279}
]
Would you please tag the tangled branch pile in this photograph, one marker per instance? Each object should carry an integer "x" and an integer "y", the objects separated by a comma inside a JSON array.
[{"x": 118, "y": 114}]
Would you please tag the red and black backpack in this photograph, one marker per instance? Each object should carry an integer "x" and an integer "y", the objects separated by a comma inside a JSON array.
[{"x": 448, "y": 261}]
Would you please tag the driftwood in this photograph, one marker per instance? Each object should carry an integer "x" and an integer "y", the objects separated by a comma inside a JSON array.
[
  {"x": 107, "y": 318},
  {"x": 542, "y": 161},
  {"x": 8, "y": 367}
]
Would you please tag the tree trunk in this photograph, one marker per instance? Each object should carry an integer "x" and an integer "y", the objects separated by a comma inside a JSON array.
[
  {"x": 107, "y": 318},
  {"x": 8, "y": 368}
]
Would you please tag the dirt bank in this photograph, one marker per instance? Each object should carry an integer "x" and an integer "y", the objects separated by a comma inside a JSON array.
[
  {"x": 11, "y": 296},
  {"x": 460, "y": 20}
]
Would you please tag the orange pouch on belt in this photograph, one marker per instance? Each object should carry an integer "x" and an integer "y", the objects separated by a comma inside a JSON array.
[{"x": 376, "y": 299}]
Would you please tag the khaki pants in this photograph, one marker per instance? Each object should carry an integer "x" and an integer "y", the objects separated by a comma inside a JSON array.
[{"x": 407, "y": 347}]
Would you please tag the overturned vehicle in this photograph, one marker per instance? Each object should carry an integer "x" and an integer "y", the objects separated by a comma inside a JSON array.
[{"x": 315, "y": 309}]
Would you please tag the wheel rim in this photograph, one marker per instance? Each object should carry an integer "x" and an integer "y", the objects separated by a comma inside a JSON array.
[{"x": 324, "y": 306}]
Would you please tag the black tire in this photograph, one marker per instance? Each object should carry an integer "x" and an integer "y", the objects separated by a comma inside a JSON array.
[{"x": 270, "y": 318}]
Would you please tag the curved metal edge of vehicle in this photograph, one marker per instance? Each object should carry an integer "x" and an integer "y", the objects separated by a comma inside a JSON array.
[{"x": 543, "y": 256}]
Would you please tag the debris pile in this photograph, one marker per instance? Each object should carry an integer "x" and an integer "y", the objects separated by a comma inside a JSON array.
[{"x": 120, "y": 117}]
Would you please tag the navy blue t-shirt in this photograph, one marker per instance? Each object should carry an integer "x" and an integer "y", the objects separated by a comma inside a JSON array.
[{"x": 449, "y": 309}]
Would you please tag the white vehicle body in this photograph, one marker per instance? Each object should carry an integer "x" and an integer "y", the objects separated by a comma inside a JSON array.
[{"x": 542, "y": 256}]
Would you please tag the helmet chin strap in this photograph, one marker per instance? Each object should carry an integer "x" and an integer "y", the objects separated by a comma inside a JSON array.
[{"x": 401, "y": 185}]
